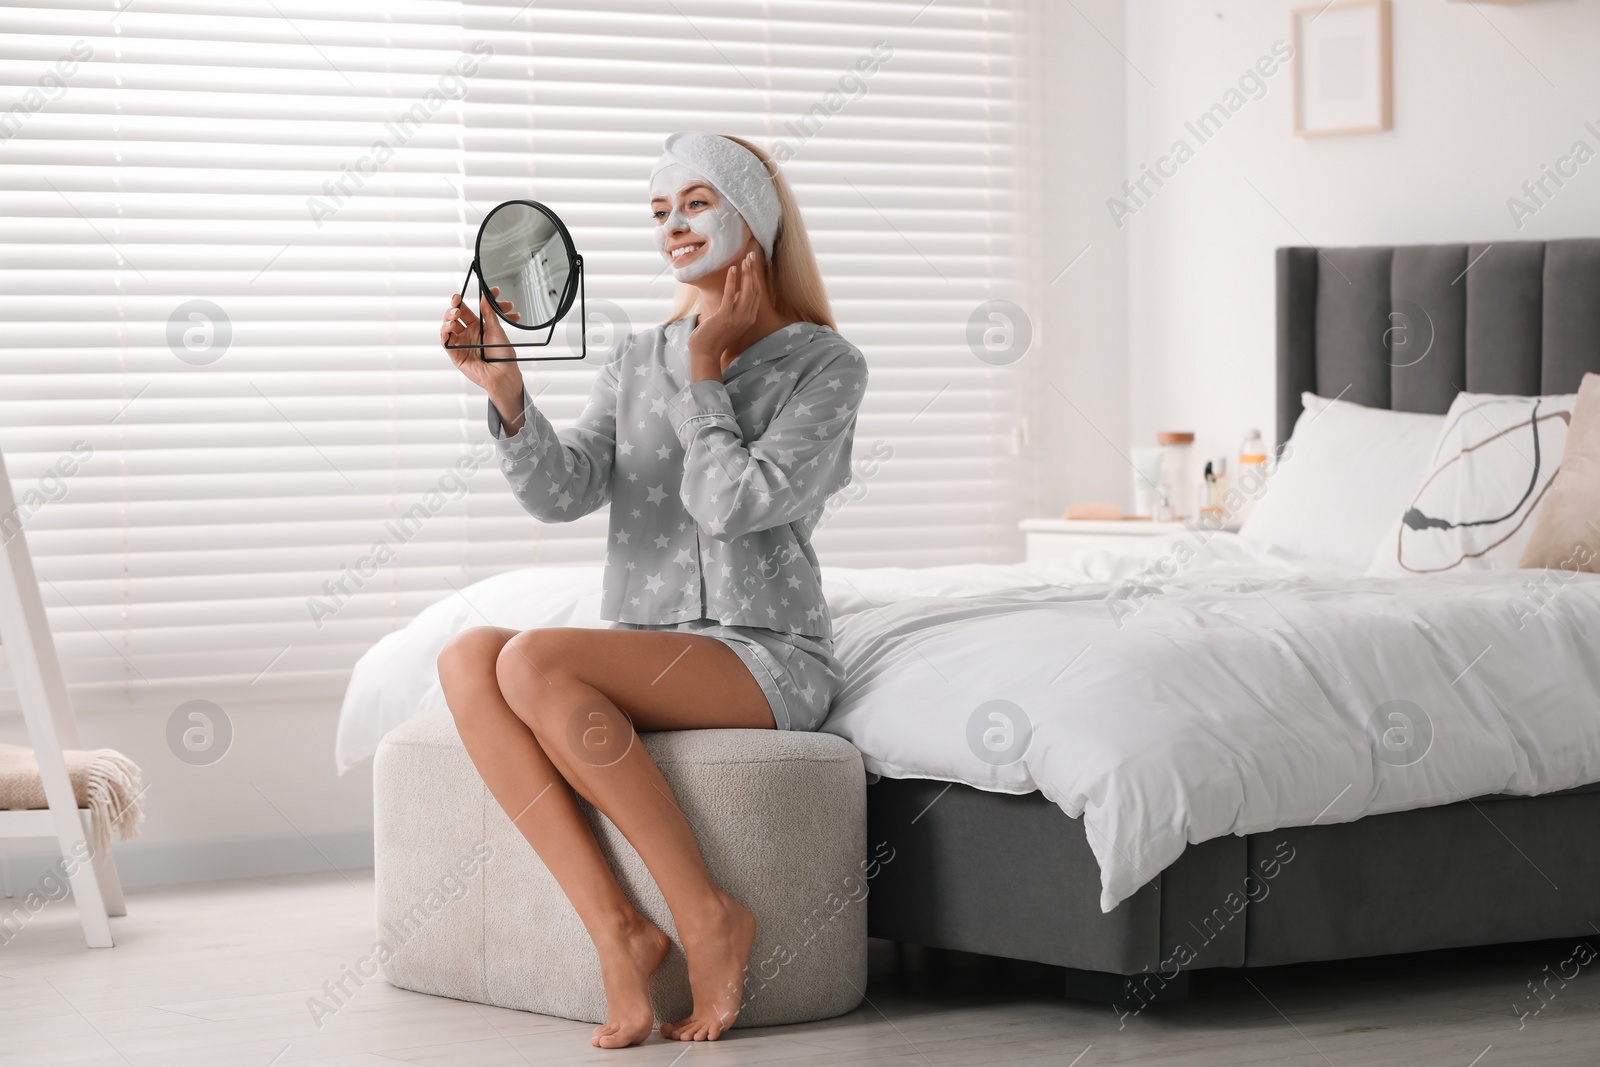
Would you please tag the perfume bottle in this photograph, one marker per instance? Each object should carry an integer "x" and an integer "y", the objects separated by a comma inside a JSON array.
[{"x": 1252, "y": 473}]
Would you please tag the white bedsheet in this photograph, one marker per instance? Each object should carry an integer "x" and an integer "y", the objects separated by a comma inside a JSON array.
[{"x": 1233, "y": 697}]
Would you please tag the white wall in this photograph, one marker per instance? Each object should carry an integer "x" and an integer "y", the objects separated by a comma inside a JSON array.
[
  {"x": 1079, "y": 415},
  {"x": 272, "y": 805},
  {"x": 1483, "y": 95}
]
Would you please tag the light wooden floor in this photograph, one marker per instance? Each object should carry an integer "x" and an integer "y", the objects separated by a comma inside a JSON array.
[{"x": 219, "y": 974}]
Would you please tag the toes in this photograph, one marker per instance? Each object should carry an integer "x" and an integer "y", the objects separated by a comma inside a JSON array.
[
  {"x": 695, "y": 1029},
  {"x": 616, "y": 1035},
  {"x": 617, "y": 1040}
]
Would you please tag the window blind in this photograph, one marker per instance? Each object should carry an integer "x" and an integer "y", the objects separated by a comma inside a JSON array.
[{"x": 231, "y": 230}]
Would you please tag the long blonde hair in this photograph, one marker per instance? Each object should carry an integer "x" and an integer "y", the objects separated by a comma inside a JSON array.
[{"x": 793, "y": 280}]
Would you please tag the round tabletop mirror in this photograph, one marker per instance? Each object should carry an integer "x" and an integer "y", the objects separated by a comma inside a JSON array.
[{"x": 526, "y": 251}]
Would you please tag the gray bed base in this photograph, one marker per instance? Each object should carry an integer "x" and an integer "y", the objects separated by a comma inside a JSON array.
[
  {"x": 1013, "y": 876},
  {"x": 1399, "y": 327}
]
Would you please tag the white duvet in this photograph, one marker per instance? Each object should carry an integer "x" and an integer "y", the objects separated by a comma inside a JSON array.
[{"x": 1232, "y": 693}]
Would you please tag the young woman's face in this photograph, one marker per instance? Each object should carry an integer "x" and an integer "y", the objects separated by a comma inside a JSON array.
[{"x": 697, "y": 231}]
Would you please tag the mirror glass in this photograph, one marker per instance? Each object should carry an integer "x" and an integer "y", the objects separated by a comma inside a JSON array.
[{"x": 523, "y": 251}]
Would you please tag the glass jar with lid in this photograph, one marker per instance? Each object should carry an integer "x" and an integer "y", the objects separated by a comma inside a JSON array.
[{"x": 1177, "y": 481}]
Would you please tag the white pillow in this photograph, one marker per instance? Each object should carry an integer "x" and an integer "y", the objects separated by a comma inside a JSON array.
[
  {"x": 1474, "y": 506},
  {"x": 1346, "y": 476}
]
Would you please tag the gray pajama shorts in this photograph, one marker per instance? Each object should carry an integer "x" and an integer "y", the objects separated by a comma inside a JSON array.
[{"x": 797, "y": 673}]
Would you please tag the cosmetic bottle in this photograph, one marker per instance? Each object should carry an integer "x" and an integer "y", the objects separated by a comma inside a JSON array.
[
  {"x": 1252, "y": 472},
  {"x": 1217, "y": 487}
]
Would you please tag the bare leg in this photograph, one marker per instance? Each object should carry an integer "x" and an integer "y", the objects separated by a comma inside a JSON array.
[
  {"x": 542, "y": 806},
  {"x": 568, "y": 686}
]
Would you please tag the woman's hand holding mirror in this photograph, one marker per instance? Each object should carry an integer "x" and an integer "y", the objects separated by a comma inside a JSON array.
[{"x": 502, "y": 381}]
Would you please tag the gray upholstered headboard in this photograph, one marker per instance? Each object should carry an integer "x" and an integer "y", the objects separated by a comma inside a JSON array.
[{"x": 1410, "y": 326}]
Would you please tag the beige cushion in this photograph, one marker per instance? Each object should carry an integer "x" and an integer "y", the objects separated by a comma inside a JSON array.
[
  {"x": 1567, "y": 535},
  {"x": 467, "y": 910}
]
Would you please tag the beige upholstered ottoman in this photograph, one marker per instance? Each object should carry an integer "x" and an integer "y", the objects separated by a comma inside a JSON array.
[{"x": 466, "y": 909}]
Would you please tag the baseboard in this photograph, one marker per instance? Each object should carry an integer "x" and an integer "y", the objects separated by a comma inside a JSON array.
[{"x": 141, "y": 865}]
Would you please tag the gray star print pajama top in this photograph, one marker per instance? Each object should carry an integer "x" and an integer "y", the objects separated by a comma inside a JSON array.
[{"x": 715, "y": 488}]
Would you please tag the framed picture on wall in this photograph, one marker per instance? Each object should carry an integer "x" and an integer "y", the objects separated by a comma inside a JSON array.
[{"x": 1342, "y": 69}]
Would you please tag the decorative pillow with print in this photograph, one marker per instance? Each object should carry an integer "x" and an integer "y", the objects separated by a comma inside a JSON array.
[
  {"x": 1491, "y": 467},
  {"x": 1567, "y": 535}
]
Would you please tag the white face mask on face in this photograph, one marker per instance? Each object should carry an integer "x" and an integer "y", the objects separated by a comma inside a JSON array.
[{"x": 721, "y": 227}]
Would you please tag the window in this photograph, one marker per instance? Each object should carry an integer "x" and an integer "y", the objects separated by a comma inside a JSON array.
[{"x": 230, "y": 234}]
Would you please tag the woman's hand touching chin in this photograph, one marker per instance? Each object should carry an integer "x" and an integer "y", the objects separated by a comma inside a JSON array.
[{"x": 717, "y": 338}]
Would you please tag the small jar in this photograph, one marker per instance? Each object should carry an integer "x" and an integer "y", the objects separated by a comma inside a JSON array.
[{"x": 1177, "y": 473}]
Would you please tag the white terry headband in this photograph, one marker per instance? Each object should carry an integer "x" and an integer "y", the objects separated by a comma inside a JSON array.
[{"x": 737, "y": 176}]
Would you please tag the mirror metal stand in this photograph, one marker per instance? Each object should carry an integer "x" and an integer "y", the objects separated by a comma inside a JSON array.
[{"x": 583, "y": 322}]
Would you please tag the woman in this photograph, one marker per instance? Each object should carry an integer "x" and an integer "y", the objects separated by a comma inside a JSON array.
[{"x": 716, "y": 438}]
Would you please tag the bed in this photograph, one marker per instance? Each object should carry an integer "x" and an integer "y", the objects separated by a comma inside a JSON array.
[
  {"x": 1014, "y": 876},
  {"x": 1137, "y": 778}
]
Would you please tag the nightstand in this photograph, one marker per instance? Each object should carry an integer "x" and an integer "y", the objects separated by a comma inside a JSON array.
[{"x": 1056, "y": 538}]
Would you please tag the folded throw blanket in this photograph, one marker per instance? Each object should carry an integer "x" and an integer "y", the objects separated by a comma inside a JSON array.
[{"x": 104, "y": 781}]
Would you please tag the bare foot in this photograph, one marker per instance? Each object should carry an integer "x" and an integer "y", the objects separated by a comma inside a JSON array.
[
  {"x": 718, "y": 948},
  {"x": 627, "y": 960}
]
